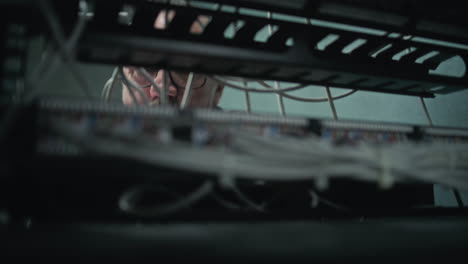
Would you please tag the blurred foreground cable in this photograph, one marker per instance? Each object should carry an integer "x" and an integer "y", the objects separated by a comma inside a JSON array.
[{"x": 130, "y": 201}]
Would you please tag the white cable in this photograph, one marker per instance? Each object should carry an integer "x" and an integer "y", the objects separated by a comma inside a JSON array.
[
  {"x": 129, "y": 201},
  {"x": 280, "y": 100},
  {"x": 316, "y": 200},
  {"x": 247, "y": 99},
  {"x": 281, "y": 91},
  {"x": 386, "y": 180},
  {"x": 133, "y": 86},
  {"x": 339, "y": 162},
  {"x": 318, "y": 100},
  {"x": 247, "y": 201},
  {"x": 324, "y": 99},
  {"x": 187, "y": 92},
  {"x": 227, "y": 180},
  {"x": 322, "y": 183},
  {"x": 130, "y": 90},
  {"x": 226, "y": 83},
  {"x": 116, "y": 77},
  {"x": 105, "y": 88},
  {"x": 162, "y": 90},
  {"x": 110, "y": 84},
  {"x": 225, "y": 203}
]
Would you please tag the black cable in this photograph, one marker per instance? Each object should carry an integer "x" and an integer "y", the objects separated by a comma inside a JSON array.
[{"x": 458, "y": 198}]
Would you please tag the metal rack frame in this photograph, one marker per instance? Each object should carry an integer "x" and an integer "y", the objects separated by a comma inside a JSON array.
[{"x": 368, "y": 67}]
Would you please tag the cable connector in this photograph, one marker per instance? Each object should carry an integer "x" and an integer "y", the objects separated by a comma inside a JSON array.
[
  {"x": 386, "y": 180},
  {"x": 165, "y": 134},
  {"x": 322, "y": 182},
  {"x": 227, "y": 175},
  {"x": 314, "y": 199}
]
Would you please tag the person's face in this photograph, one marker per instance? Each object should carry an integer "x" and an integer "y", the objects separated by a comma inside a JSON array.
[
  {"x": 205, "y": 92},
  {"x": 203, "y": 88}
]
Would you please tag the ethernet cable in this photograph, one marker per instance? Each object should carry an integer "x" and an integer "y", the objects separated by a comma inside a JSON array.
[
  {"x": 230, "y": 84},
  {"x": 132, "y": 86},
  {"x": 339, "y": 162},
  {"x": 162, "y": 90},
  {"x": 110, "y": 84},
  {"x": 310, "y": 100},
  {"x": 129, "y": 201}
]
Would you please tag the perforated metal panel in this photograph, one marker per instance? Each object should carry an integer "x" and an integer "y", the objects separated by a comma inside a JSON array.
[{"x": 374, "y": 65}]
